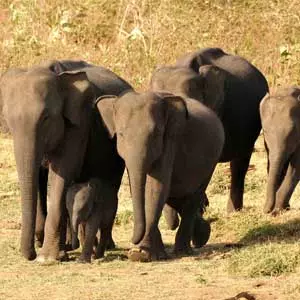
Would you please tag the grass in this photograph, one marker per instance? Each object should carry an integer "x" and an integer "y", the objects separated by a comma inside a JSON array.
[{"x": 248, "y": 251}]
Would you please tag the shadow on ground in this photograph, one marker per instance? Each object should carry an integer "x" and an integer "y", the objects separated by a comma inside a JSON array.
[{"x": 287, "y": 232}]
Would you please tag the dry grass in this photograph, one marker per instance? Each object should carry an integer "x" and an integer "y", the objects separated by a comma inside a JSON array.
[{"x": 248, "y": 250}]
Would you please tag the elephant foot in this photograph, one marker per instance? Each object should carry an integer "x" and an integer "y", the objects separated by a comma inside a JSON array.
[
  {"x": 39, "y": 239},
  {"x": 83, "y": 260},
  {"x": 138, "y": 254},
  {"x": 69, "y": 247},
  {"x": 38, "y": 243},
  {"x": 267, "y": 210},
  {"x": 201, "y": 232},
  {"x": 144, "y": 255},
  {"x": 29, "y": 254},
  {"x": 62, "y": 256},
  {"x": 110, "y": 244},
  {"x": 99, "y": 253},
  {"x": 233, "y": 207}
]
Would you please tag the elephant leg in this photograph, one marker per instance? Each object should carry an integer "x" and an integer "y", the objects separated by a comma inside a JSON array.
[
  {"x": 70, "y": 240},
  {"x": 171, "y": 217},
  {"x": 289, "y": 183},
  {"x": 110, "y": 244},
  {"x": 41, "y": 206},
  {"x": 64, "y": 167},
  {"x": 91, "y": 228},
  {"x": 238, "y": 168},
  {"x": 188, "y": 210},
  {"x": 103, "y": 243},
  {"x": 110, "y": 219},
  {"x": 201, "y": 231}
]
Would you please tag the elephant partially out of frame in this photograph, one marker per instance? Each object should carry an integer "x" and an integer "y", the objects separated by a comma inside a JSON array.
[
  {"x": 280, "y": 115},
  {"x": 50, "y": 112}
]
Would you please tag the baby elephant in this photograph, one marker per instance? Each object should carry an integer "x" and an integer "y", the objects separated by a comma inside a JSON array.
[{"x": 93, "y": 205}]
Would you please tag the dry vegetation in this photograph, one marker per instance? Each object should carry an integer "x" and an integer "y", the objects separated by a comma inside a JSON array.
[{"x": 248, "y": 250}]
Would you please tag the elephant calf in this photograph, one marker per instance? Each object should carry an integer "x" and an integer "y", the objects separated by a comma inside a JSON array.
[
  {"x": 280, "y": 115},
  {"x": 93, "y": 205}
]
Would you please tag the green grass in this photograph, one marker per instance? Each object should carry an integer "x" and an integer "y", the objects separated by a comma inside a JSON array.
[{"x": 270, "y": 259}]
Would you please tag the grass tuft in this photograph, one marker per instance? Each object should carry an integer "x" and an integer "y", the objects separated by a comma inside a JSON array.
[{"x": 267, "y": 260}]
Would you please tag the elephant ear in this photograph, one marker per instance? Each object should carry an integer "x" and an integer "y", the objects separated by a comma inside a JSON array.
[
  {"x": 106, "y": 107},
  {"x": 77, "y": 92},
  {"x": 176, "y": 114},
  {"x": 191, "y": 60},
  {"x": 214, "y": 85}
]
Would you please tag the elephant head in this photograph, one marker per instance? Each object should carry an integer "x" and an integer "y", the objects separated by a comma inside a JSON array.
[
  {"x": 206, "y": 85},
  {"x": 280, "y": 115},
  {"x": 146, "y": 126},
  {"x": 40, "y": 106}
]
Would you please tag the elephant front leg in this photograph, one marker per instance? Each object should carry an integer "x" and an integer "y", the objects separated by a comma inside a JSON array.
[
  {"x": 51, "y": 246},
  {"x": 105, "y": 239},
  {"x": 91, "y": 228},
  {"x": 151, "y": 248},
  {"x": 65, "y": 166},
  {"x": 238, "y": 169},
  {"x": 288, "y": 184}
]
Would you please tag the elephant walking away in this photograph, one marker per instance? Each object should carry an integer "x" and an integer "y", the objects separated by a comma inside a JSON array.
[
  {"x": 170, "y": 146},
  {"x": 50, "y": 112},
  {"x": 280, "y": 115},
  {"x": 233, "y": 88},
  {"x": 92, "y": 205}
]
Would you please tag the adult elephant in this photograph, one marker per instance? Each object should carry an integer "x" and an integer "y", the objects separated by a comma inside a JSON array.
[
  {"x": 49, "y": 110},
  {"x": 200, "y": 75},
  {"x": 160, "y": 136},
  {"x": 280, "y": 115}
]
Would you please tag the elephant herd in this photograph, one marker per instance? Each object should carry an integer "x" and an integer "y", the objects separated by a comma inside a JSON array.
[{"x": 77, "y": 126}]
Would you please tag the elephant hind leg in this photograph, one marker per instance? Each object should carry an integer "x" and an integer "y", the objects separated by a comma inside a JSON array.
[
  {"x": 171, "y": 217},
  {"x": 188, "y": 213},
  {"x": 238, "y": 168}
]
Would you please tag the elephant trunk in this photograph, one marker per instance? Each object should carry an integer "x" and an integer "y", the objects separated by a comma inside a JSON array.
[
  {"x": 274, "y": 179},
  {"x": 28, "y": 160},
  {"x": 137, "y": 179}
]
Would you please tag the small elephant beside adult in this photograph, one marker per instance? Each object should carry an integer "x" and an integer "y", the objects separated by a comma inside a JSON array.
[
  {"x": 231, "y": 86},
  {"x": 92, "y": 205},
  {"x": 280, "y": 115},
  {"x": 160, "y": 136},
  {"x": 50, "y": 112}
]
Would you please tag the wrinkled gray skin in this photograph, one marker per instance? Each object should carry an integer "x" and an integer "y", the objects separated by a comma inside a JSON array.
[
  {"x": 160, "y": 136},
  {"x": 280, "y": 115},
  {"x": 49, "y": 110},
  {"x": 92, "y": 204},
  {"x": 237, "y": 104}
]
